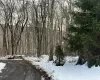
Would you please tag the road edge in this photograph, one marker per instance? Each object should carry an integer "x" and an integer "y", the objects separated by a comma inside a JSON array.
[{"x": 42, "y": 72}]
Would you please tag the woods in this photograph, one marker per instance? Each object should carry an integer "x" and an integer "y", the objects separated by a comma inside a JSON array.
[
  {"x": 34, "y": 27},
  {"x": 37, "y": 27}
]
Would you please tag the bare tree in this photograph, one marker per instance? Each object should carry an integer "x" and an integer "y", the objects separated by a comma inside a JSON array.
[
  {"x": 51, "y": 15},
  {"x": 14, "y": 25}
]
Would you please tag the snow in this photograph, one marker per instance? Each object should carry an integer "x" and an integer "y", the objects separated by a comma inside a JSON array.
[
  {"x": 69, "y": 71},
  {"x": 2, "y": 65}
]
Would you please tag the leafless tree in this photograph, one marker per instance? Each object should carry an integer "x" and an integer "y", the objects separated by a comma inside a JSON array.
[{"x": 15, "y": 19}]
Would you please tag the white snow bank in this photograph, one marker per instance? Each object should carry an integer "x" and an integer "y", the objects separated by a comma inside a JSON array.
[
  {"x": 2, "y": 65},
  {"x": 67, "y": 72}
]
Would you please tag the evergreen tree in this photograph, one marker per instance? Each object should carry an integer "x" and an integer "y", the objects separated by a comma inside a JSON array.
[{"x": 84, "y": 32}]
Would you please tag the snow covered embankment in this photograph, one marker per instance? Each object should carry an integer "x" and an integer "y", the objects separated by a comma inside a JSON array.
[
  {"x": 69, "y": 71},
  {"x": 2, "y": 65}
]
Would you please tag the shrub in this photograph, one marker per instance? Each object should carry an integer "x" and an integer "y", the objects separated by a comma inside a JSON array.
[{"x": 60, "y": 56}]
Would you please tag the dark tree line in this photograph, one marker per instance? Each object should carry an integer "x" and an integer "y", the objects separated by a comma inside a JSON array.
[{"x": 84, "y": 32}]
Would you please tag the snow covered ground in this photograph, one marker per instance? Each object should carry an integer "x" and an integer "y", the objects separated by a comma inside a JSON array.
[
  {"x": 2, "y": 65},
  {"x": 69, "y": 71}
]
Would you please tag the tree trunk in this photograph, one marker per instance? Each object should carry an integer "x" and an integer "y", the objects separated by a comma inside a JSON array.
[{"x": 4, "y": 43}]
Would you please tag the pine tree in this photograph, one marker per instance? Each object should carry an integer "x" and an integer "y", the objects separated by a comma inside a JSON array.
[{"x": 84, "y": 32}]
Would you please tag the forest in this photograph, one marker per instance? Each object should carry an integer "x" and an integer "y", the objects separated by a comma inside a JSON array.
[
  {"x": 52, "y": 27},
  {"x": 49, "y": 39}
]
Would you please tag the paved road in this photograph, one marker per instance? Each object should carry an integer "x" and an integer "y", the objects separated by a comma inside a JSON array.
[{"x": 19, "y": 70}]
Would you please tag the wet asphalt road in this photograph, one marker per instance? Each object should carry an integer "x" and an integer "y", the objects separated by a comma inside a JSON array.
[{"x": 19, "y": 70}]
